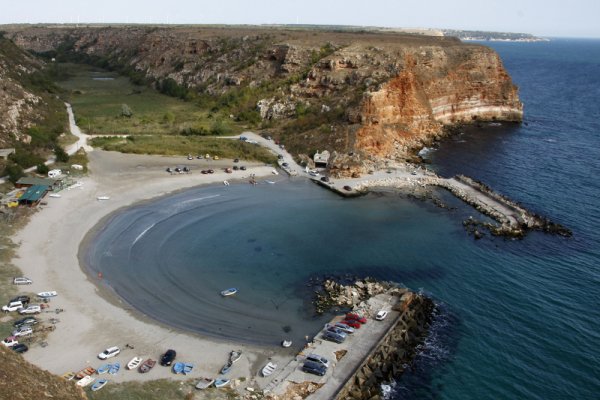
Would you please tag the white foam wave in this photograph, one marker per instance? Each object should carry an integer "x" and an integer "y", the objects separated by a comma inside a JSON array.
[{"x": 142, "y": 234}]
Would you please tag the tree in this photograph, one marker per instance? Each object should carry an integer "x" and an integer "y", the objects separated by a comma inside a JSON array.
[
  {"x": 42, "y": 169},
  {"x": 126, "y": 111},
  {"x": 61, "y": 154},
  {"x": 14, "y": 172}
]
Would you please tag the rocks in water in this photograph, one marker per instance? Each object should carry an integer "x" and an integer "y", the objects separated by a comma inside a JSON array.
[{"x": 337, "y": 294}]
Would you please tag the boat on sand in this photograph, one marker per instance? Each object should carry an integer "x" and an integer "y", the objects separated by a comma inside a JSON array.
[
  {"x": 204, "y": 383},
  {"x": 226, "y": 368},
  {"x": 147, "y": 365},
  {"x": 99, "y": 384},
  {"x": 178, "y": 367},
  {"x": 114, "y": 368},
  {"x": 268, "y": 369},
  {"x": 234, "y": 356},
  {"x": 103, "y": 369},
  {"x": 221, "y": 382},
  {"x": 134, "y": 363},
  {"x": 46, "y": 295}
]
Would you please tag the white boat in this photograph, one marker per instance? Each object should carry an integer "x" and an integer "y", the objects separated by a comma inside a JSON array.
[
  {"x": 86, "y": 380},
  {"x": 46, "y": 295},
  {"x": 221, "y": 382},
  {"x": 229, "y": 292},
  {"x": 204, "y": 383},
  {"x": 274, "y": 172},
  {"x": 268, "y": 369},
  {"x": 103, "y": 198},
  {"x": 286, "y": 343},
  {"x": 54, "y": 195},
  {"x": 225, "y": 183},
  {"x": 134, "y": 363},
  {"x": 234, "y": 356}
]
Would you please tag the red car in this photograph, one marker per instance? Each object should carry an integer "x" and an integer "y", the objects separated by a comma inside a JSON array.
[
  {"x": 356, "y": 317},
  {"x": 352, "y": 323}
]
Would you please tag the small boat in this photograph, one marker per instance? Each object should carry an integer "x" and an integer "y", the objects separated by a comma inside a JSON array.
[
  {"x": 187, "y": 368},
  {"x": 103, "y": 198},
  {"x": 104, "y": 368},
  {"x": 86, "y": 380},
  {"x": 286, "y": 343},
  {"x": 147, "y": 365},
  {"x": 85, "y": 372},
  {"x": 229, "y": 292},
  {"x": 178, "y": 367},
  {"x": 274, "y": 172},
  {"x": 69, "y": 376},
  {"x": 46, "y": 295},
  {"x": 99, "y": 384},
  {"x": 268, "y": 369},
  {"x": 54, "y": 195},
  {"x": 234, "y": 356},
  {"x": 221, "y": 382},
  {"x": 134, "y": 363},
  {"x": 226, "y": 368},
  {"x": 270, "y": 182},
  {"x": 225, "y": 183},
  {"x": 204, "y": 383},
  {"x": 114, "y": 368}
]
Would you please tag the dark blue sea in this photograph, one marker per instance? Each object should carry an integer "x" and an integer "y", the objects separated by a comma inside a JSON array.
[{"x": 516, "y": 319}]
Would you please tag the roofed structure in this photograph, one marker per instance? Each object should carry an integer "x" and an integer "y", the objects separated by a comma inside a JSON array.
[
  {"x": 321, "y": 159},
  {"x": 4, "y": 153},
  {"x": 33, "y": 195}
]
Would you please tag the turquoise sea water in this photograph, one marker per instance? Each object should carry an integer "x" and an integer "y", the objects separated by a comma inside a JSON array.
[{"x": 516, "y": 319}]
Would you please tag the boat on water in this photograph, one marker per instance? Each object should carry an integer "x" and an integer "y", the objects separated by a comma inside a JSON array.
[
  {"x": 46, "y": 295},
  {"x": 178, "y": 367},
  {"x": 204, "y": 383},
  {"x": 103, "y": 369},
  {"x": 268, "y": 369},
  {"x": 229, "y": 292},
  {"x": 134, "y": 363},
  {"x": 147, "y": 366},
  {"x": 187, "y": 368},
  {"x": 226, "y": 183},
  {"x": 114, "y": 368},
  {"x": 286, "y": 343},
  {"x": 226, "y": 368},
  {"x": 234, "y": 356},
  {"x": 99, "y": 384},
  {"x": 103, "y": 198},
  {"x": 221, "y": 382}
]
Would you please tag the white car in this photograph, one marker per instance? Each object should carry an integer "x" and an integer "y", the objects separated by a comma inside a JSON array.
[
  {"x": 381, "y": 315},
  {"x": 10, "y": 341},
  {"x": 32, "y": 309},
  {"x": 21, "y": 280},
  {"x": 108, "y": 353},
  {"x": 13, "y": 306},
  {"x": 23, "y": 331}
]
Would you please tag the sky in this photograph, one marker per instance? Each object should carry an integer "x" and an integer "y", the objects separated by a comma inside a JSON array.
[{"x": 552, "y": 18}]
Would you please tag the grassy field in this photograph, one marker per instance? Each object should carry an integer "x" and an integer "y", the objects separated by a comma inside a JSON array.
[
  {"x": 184, "y": 145},
  {"x": 159, "y": 390},
  {"x": 98, "y": 96}
]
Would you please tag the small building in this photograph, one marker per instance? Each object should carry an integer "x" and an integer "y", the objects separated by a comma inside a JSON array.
[
  {"x": 4, "y": 153},
  {"x": 28, "y": 181},
  {"x": 33, "y": 195},
  {"x": 321, "y": 160}
]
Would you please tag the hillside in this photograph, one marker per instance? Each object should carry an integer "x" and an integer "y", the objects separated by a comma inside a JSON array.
[{"x": 376, "y": 95}]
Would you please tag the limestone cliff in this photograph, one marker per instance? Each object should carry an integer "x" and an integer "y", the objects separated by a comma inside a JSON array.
[{"x": 372, "y": 95}]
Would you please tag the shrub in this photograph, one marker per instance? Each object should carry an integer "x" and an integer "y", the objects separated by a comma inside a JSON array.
[
  {"x": 14, "y": 172},
  {"x": 126, "y": 111},
  {"x": 61, "y": 154},
  {"x": 42, "y": 169}
]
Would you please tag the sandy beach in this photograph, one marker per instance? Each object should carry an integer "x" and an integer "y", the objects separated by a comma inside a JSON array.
[{"x": 91, "y": 322}]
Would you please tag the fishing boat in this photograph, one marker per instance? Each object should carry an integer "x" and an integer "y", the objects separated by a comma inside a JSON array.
[
  {"x": 178, "y": 367},
  {"x": 86, "y": 380},
  {"x": 187, "y": 368},
  {"x": 46, "y": 295},
  {"x": 234, "y": 356},
  {"x": 103, "y": 198},
  {"x": 226, "y": 368},
  {"x": 104, "y": 369},
  {"x": 229, "y": 292},
  {"x": 204, "y": 383},
  {"x": 147, "y": 365},
  {"x": 134, "y": 363},
  {"x": 268, "y": 369},
  {"x": 221, "y": 382},
  {"x": 286, "y": 343},
  {"x": 99, "y": 384},
  {"x": 114, "y": 368}
]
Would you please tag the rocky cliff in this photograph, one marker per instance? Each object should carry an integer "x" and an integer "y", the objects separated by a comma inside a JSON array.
[{"x": 372, "y": 95}]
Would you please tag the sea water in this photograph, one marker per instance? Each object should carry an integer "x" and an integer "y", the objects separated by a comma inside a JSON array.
[{"x": 516, "y": 319}]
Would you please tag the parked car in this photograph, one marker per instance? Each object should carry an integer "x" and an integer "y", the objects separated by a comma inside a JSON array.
[
  {"x": 381, "y": 315},
  {"x": 235, "y": 167},
  {"x": 13, "y": 306},
  {"x": 356, "y": 317},
  {"x": 347, "y": 188},
  {"x": 285, "y": 164},
  {"x": 236, "y": 160},
  {"x": 23, "y": 331},
  {"x": 324, "y": 179},
  {"x": 168, "y": 358},
  {"x": 280, "y": 156},
  {"x": 352, "y": 323},
  {"x": 211, "y": 171},
  {"x": 10, "y": 341},
  {"x": 20, "y": 348},
  {"x": 32, "y": 309},
  {"x": 22, "y": 298},
  {"x": 243, "y": 168},
  {"x": 314, "y": 368},
  {"x": 337, "y": 331},
  {"x": 344, "y": 327},
  {"x": 318, "y": 359},
  {"x": 333, "y": 337},
  {"x": 108, "y": 353},
  {"x": 25, "y": 321},
  {"x": 21, "y": 280}
]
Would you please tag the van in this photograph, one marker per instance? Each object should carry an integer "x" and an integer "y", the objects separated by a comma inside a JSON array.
[{"x": 53, "y": 173}]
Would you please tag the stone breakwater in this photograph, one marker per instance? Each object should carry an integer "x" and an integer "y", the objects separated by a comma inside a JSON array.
[{"x": 512, "y": 219}]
